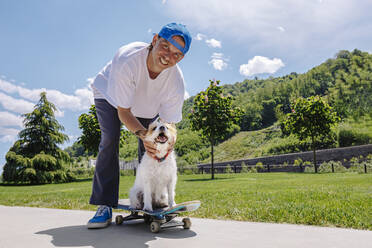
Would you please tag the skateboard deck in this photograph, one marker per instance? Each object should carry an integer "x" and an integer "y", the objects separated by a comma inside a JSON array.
[{"x": 158, "y": 218}]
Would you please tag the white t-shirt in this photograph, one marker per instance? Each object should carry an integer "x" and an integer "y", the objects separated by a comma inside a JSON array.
[{"x": 125, "y": 82}]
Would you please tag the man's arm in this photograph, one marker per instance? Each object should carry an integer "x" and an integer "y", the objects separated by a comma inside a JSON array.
[{"x": 133, "y": 125}]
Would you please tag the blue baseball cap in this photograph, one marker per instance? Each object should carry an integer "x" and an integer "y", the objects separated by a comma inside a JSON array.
[{"x": 168, "y": 31}]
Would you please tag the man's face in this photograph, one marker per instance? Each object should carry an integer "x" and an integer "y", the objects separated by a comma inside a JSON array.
[{"x": 164, "y": 54}]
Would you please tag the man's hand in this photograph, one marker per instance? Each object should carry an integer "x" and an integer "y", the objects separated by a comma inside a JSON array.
[
  {"x": 150, "y": 148},
  {"x": 149, "y": 145}
]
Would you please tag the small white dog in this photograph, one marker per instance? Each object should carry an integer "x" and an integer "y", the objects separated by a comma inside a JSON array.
[{"x": 155, "y": 182}]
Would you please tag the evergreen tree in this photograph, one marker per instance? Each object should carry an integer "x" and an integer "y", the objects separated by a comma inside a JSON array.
[{"x": 36, "y": 157}]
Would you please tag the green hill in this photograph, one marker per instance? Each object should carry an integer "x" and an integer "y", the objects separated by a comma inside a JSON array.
[{"x": 345, "y": 81}]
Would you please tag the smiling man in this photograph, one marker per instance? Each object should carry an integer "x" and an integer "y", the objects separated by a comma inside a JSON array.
[{"x": 141, "y": 83}]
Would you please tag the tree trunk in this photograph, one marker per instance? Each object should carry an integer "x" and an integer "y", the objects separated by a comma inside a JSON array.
[{"x": 212, "y": 160}]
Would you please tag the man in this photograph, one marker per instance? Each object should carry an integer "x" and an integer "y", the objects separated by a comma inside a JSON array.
[{"x": 139, "y": 84}]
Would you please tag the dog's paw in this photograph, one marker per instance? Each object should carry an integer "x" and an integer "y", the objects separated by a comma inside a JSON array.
[
  {"x": 148, "y": 209},
  {"x": 172, "y": 204}
]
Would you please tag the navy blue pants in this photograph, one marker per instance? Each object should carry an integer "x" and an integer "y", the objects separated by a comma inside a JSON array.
[{"x": 105, "y": 190}]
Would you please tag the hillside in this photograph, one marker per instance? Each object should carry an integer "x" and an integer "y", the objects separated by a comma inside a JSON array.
[
  {"x": 345, "y": 81},
  {"x": 269, "y": 141}
]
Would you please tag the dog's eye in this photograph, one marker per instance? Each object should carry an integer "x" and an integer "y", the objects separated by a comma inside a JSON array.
[{"x": 154, "y": 129}]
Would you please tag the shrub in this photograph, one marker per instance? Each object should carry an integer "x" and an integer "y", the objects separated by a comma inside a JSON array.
[
  {"x": 326, "y": 167},
  {"x": 80, "y": 172},
  {"x": 349, "y": 137},
  {"x": 228, "y": 169},
  {"x": 259, "y": 167},
  {"x": 358, "y": 165},
  {"x": 253, "y": 170},
  {"x": 309, "y": 167},
  {"x": 126, "y": 172},
  {"x": 298, "y": 162},
  {"x": 244, "y": 168}
]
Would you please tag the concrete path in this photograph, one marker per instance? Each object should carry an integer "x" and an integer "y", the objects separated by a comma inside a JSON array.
[{"x": 23, "y": 227}]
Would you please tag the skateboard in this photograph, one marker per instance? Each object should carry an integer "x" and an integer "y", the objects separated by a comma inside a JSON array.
[{"x": 158, "y": 218}]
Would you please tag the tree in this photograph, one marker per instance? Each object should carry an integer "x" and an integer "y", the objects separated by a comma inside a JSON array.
[
  {"x": 214, "y": 115},
  {"x": 36, "y": 157},
  {"x": 91, "y": 132},
  {"x": 310, "y": 118}
]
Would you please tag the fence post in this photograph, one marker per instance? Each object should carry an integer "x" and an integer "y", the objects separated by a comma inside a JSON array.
[
  {"x": 268, "y": 168},
  {"x": 235, "y": 168}
]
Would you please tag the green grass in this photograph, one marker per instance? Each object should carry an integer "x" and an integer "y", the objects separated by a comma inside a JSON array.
[{"x": 334, "y": 199}]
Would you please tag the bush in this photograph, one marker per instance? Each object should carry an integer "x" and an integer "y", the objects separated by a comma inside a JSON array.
[
  {"x": 358, "y": 164},
  {"x": 188, "y": 171},
  {"x": 126, "y": 172},
  {"x": 309, "y": 167},
  {"x": 298, "y": 162},
  {"x": 326, "y": 167},
  {"x": 80, "y": 172},
  {"x": 349, "y": 137},
  {"x": 244, "y": 168},
  {"x": 228, "y": 169},
  {"x": 259, "y": 167},
  {"x": 253, "y": 170}
]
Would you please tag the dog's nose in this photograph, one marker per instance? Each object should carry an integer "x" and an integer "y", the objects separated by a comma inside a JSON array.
[{"x": 161, "y": 128}]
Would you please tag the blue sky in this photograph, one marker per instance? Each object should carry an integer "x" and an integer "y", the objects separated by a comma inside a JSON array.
[{"x": 57, "y": 46}]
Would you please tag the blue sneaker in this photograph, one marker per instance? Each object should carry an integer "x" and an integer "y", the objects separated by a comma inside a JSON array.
[{"x": 102, "y": 218}]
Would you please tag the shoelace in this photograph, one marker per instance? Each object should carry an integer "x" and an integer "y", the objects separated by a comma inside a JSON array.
[{"x": 101, "y": 210}]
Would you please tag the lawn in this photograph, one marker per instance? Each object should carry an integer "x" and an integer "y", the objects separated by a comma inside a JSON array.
[{"x": 334, "y": 199}]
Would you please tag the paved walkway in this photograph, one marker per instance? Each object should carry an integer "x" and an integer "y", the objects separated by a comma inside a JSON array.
[{"x": 23, "y": 227}]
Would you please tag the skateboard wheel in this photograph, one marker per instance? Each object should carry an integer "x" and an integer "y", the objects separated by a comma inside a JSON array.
[
  {"x": 119, "y": 219},
  {"x": 186, "y": 223},
  {"x": 147, "y": 219},
  {"x": 155, "y": 227}
]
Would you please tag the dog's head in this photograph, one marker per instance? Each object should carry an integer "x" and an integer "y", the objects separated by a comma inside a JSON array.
[{"x": 163, "y": 134}]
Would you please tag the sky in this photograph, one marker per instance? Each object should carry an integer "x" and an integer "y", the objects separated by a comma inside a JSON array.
[{"x": 59, "y": 46}]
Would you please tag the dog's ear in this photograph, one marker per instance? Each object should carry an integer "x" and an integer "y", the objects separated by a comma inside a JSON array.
[{"x": 172, "y": 127}]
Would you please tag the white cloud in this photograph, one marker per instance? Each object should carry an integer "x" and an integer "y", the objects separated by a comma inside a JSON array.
[
  {"x": 16, "y": 105},
  {"x": 163, "y": 1},
  {"x": 59, "y": 113},
  {"x": 281, "y": 29},
  {"x": 8, "y": 134},
  {"x": 255, "y": 22},
  {"x": 218, "y": 61},
  {"x": 200, "y": 36},
  {"x": 81, "y": 100},
  {"x": 213, "y": 43},
  {"x": 186, "y": 96},
  {"x": 8, "y": 119},
  {"x": 259, "y": 65}
]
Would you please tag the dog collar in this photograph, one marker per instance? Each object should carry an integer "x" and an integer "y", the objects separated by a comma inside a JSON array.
[{"x": 163, "y": 158}]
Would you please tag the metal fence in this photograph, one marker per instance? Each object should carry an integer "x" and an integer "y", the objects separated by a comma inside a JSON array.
[{"x": 124, "y": 165}]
